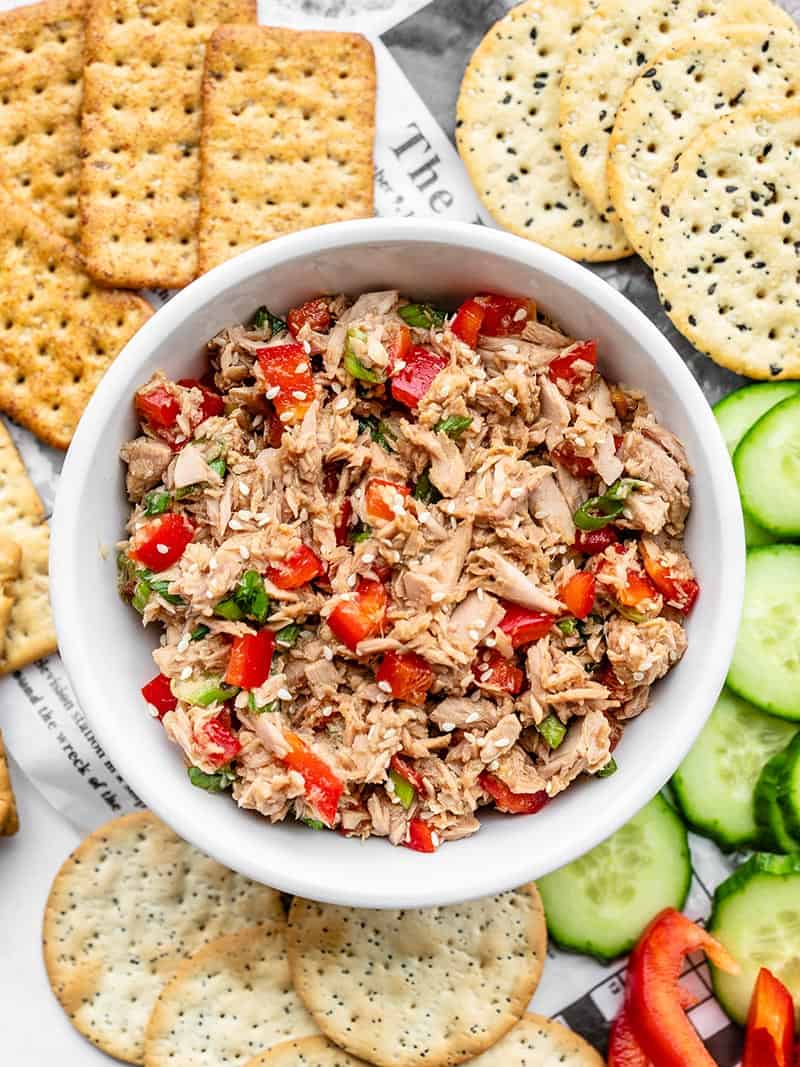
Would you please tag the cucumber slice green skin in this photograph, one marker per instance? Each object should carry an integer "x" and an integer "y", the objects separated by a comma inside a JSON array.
[
  {"x": 766, "y": 664},
  {"x": 756, "y": 916},
  {"x": 774, "y": 835},
  {"x": 789, "y": 790},
  {"x": 714, "y": 785},
  {"x": 767, "y": 466},
  {"x": 600, "y": 904}
]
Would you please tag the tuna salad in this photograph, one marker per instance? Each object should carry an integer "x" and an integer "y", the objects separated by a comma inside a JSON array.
[{"x": 408, "y": 565}]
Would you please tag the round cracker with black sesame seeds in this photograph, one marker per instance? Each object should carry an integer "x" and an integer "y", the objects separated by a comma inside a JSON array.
[
  {"x": 126, "y": 907},
  {"x": 726, "y": 244},
  {"x": 507, "y": 133},
  {"x": 701, "y": 79},
  {"x": 435, "y": 986},
  {"x": 306, "y": 1052},
  {"x": 539, "y": 1042},
  {"x": 611, "y": 49}
]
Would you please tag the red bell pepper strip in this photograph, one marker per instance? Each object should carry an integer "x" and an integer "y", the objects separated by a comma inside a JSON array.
[
  {"x": 504, "y": 316},
  {"x": 342, "y": 526},
  {"x": 579, "y": 466},
  {"x": 624, "y": 1049},
  {"x": 523, "y": 625},
  {"x": 218, "y": 732},
  {"x": 578, "y": 594},
  {"x": 592, "y": 542},
  {"x": 406, "y": 770},
  {"x": 158, "y": 406},
  {"x": 412, "y": 382},
  {"x": 250, "y": 659},
  {"x": 213, "y": 404},
  {"x": 361, "y": 615},
  {"x": 314, "y": 313},
  {"x": 298, "y": 569},
  {"x": 158, "y": 695},
  {"x": 162, "y": 541},
  {"x": 381, "y": 499},
  {"x": 420, "y": 837},
  {"x": 653, "y": 1001},
  {"x": 274, "y": 429},
  {"x": 468, "y": 321},
  {"x": 497, "y": 672},
  {"x": 512, "y": 803},
  {"x": 323, "y": 787},
  {"x": 563, "y": 366},
  {"x": 680, "y": 593},
  {"x": 769, "y": 1041},
  {"x": 408, "y": 676},
  {"x": 286, "y": 368}
]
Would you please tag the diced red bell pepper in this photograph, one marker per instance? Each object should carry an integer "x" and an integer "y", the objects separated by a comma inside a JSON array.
[
  {"x": 593, "y": 542},
  {"x": 342, "y": 526},
  {"x": 624, "y": 1049},
  {"x": 274, "y": 429},
  {"x": 523, "y": 625},
  {"x": 578, "y": 466},
  {"x": 512, "y": 803},
  {"x": 408, "y": 676},
  {"x": 158, "y": 695},
  {"x": 298, "y": 569},
  {"x": 158, "y": 406},
  {"x": 314, "y": 313},
  {"x": 410, "y": 384},
  {"x": 406, "y": 770},
  {"x": 251, "y": 659},
  {"x": 218, "y": 733},
  {"x": 497, "y": 672},
  {"x": 578, "y": 594},
  {"x": 323, "y": 787},
  {"x": 381, "y": 500},
  {"x": 680, "y": 593},
  {"x": 213, "y": 404},
  {"x": 287, "y": 369},
  {"x": 638, "y": 589},
  {"x": 654, "y": 1003},
  {"x": 361, "y": 616},
  {"x": 420, "y": 837},
  {"x": 563, "y": 366},
  {"x": 162, "y": 541},
  {"x": 501, "y": 314},
  {"x": 769, "y": 1041},
  {"x": 468, "y": 321},
  {"x": 398, "y": 346}
]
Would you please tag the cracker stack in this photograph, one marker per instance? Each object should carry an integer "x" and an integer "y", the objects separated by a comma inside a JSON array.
[{"x": 9, "y": 820}]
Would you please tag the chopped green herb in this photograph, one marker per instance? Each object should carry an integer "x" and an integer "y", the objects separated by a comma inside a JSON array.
[
  {"x": 287, "y": 637},
  {"x": 212, "y": 783},
  {"x": 264, "y": 317},
  {"x": 219, "y": 465},
  {"x": 161, "y": 586},
  {"x": 552, "y": 730},
  {"x": 609, "y": 769},
  {"x": 229, "y": 609},
  {"x": 141, "y": 595},
  {"x": 425, "y": 491},
  {"x": 315, "y": 824},
  {"x": 568, "y": 627},
  {"x": 359, "y": 532},
  {"x": 188, "y": 490},
  {"x": 156, "y": 502},
  {"x": 423, "y": 316},
  {"x": 263, "y": 709},
  {"x": 403, "y": 789},
  {"x": 379, "y": 431},
  {"x": 251, "y": 596},
  {"x": 599, "y": 511},
  {"x": 199, "y": 632},
  {"x": 453, "y": 425}
]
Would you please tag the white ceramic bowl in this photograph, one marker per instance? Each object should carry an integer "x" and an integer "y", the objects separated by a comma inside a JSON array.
[{"x": 107, "y": 653}]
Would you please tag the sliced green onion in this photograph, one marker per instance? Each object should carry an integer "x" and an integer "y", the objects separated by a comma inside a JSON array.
[
  {"x": 219, "y": 465},
  {"x": 199, "y": 632},
  {"x": 552, "y": 730},
  {"x": 251, "y": 596},
  {"x": 379, "y": 431},
  {"x": 622, "y": 488},
  {"x": 315, "y": 824},
  {"x": 360, "y": 532},
  {"x": 631, "y": 613},
  {"x": 356, "y": 369},
  {"x": 425, "y": 491},
  {"x": 263, "y": 709},
  {"x": 568, "y": 627},
  {"x": 215, "y": 694},
  {"x": 229, "y": 609},
  {"x": 599, "y": 511},
  {"x": 126, "y": 576},
  {"x": 141, "y": 595},
  {"x": 423, "y": 316},
  {"x": 403, "y": 789},
  {"x": 287, "y": 637},
  {"x": 453, "y": 425},
  {"x": 156, "y": 502},
  {"x": 213, "y": 783},
  {"x": 161, "y": 586},
  {"x": 609, "y": 769},
  {"x": 264, "y": 317}
]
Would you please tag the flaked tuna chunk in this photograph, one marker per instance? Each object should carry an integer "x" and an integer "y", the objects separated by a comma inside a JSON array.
[
  {"x": 474, "y": 618},
  {"x": 642, "y": 652},
  {"x": 447, "y": 470},
  {"x": 147, "y": 460},
  {"x": 388, "y": 819},
  {"x": 647, "y": 509},
  {"x": 555, "y": 410},
  {"x": 549, "y": 507},
  {"x": 517, "y": 770},
  {"x": 645, "y": 458},
  {"x": 586, "y": 748},
  {"x": 369, "y": 309},
  {"x": 435, "y": 579},
  {"x": 509, "y": 582},
  {"x": 191, "y": 468},
  {"x": 460, "y": 713}
]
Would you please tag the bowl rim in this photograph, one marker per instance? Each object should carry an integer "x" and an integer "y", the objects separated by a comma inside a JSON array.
[{"x": 67, "y": 528}]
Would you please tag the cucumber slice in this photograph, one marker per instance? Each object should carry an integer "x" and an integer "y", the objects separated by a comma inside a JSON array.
[
  {"x": 601, "y": 903},
  {"x": 714, "y": 785},
  {"x": 774, "y": 834},
  {"x": 767, "y": 465},
  {"x": 756, "y": 916},
  {"x": 789, "y": 790},
  {"x": 766, "y": 661}
]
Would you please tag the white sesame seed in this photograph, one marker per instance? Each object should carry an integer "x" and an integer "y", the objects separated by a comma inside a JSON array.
[
  {"x": 580, "y": 442},
  {"x": 435, "y": 839},
  {"x": 474, "y": 716},
  {"x": 437, "y": 597},
  {"x": 307, "y": 347},
  {"x": 399, "y": 365},
  {"x": 298, "y": 394},
  {"x": 490, "y": 641},
  {"x": 326, "y": 711},
  {"x": 244, "y": 488},
  {"x": 152, "y": 711},
  {"x": 368, "y": 557},
  {"x": 502, "y": 742},
  {"x": 510, "y": 396},
  {"x": 384, "y": 687},
  {"x": 301, "y": 368},
  {"x": 262, "y": 519},
  {"x": 257, "y": 421},
  {"x": 494, "y": 765},
  {"x": 637, "y": 676},
  {"x": 424, "y": 516},
  {"x": 244, "y": 551},
  {"x": 285, "y": 416},
  {"x": 212, "y": 564},
  {"x": 235, "y": 524},
  {"x": 351, "y": 581},
  {"x": 450, "y": 507},
  {"x": 341, "y": 403},
  {"x": 484, "y": 676},
  {"x": 390, "y": 733},
  {"x": 186, "y": 673},
  {"x": 284, "y": 694},
  {"x": 244, "y": 513},
  {"x": 183, "y": 644},
  {"x": 389, "y": 785},
  {"x": 272, "y": 392},
  {"x": 445, "y": 390},
  {"x": 474, "y": 635},
  {"x": 520, "y": 314},
  {"x": 241, "y": 699},
  {"x": 448, "y": 727},
  {"x": 327, "y": 653},
  {"x": 210, "y": 594},
  {"x": 162, "y": 549},
  {"x": 251, "y": 445}
]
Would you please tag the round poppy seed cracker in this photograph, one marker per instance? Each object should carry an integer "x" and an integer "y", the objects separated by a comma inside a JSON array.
[
  {"x": 539, "y": 1042},
  {"x": 307, "y": 1052},
  {"x": 612, "y": 48},
  {"x": 725, "y": 246},
  {"x": 507, "y": 133},
  {"x": 229, "y": 1001},
  {"x": 129, "y": 903},
  {"x": 699, "y": 80},
  {"x": 436, "y": 986}
]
